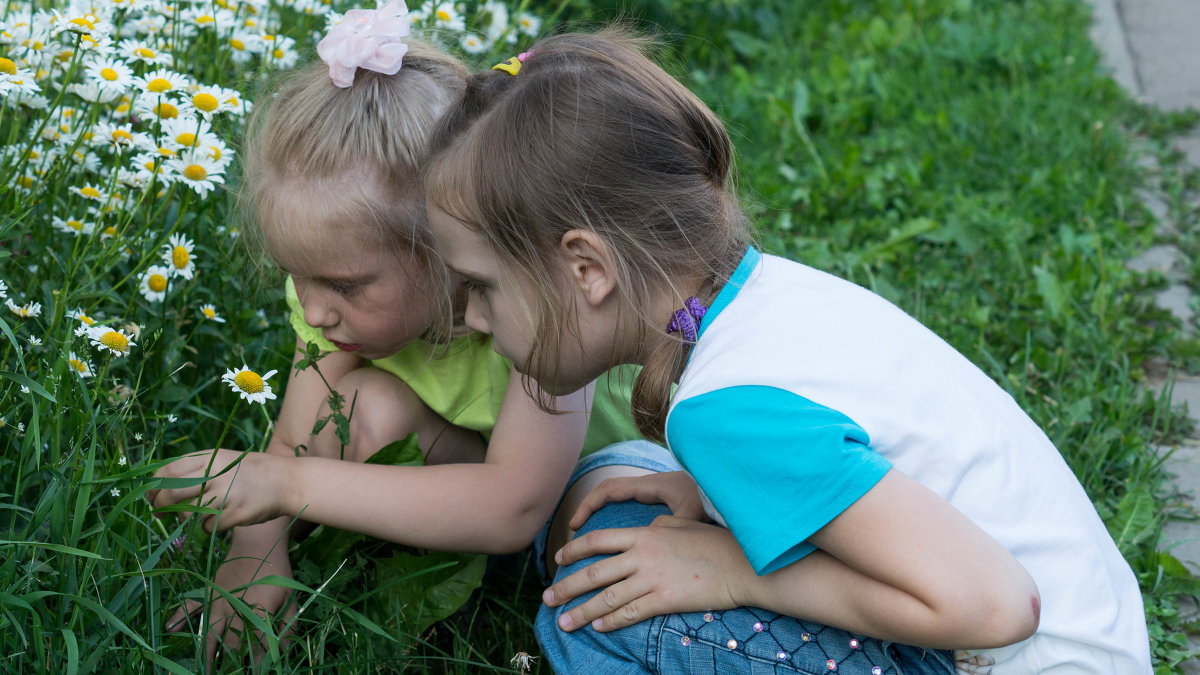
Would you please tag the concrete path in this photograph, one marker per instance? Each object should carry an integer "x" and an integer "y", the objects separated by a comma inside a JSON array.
[{"x": 1152, "y": 49}]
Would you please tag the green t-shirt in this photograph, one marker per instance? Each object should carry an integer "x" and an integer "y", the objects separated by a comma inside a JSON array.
[{"x": 466, "y": 384}]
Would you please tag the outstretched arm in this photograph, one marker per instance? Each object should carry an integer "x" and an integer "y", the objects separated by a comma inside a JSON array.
[
  {"x": 496, "y": 506},
  {"x": 900, "y": 564}
]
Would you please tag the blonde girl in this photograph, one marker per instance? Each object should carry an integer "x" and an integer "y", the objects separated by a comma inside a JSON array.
[
  {"x": 331, "y": 185},
  {"x": 861, "y": 473}
]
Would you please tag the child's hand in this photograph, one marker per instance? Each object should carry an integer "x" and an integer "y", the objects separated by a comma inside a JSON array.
[
  {"x": 225, "y": 626},
  {"x": 673, "y": 565},
  {"x": 676, "y": 489},
  {"x": 251, "y": 492}
]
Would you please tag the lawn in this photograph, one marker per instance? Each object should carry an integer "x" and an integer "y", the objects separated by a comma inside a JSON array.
[{"x": 965, "y": 159}]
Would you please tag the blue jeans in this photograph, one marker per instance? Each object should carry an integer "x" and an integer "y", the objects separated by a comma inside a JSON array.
[{"x": 742, "y": 640}]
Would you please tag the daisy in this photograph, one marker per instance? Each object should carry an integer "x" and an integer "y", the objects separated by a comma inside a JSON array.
[
  {"x": 281, "y": 50},
  {"x": 210, "y": 313},
  {"x": 118, "y": 135},
  {"x": 249, "y": 384},
  {"x": 113, "y": 340},
  {"x": 244, "y": 45},
  {"x": 89, "y": 191},
  {"x": 93, "y": 92},
  {"x": 154, "y": 281},
  {"x": 446, "y": 16},
  {"x": 28, "y": 310},
  {"x": 157, "y": 106},
  {"x": 86, "y": 23},
  {"x": 196, "y": 169},
  {"x": 144, "y": 52},
  {"x": 233, "y": 101},
  {"x": 81, "y": 366},
  {"x": 206, "y": 100},
  {"x": 73, "y": 226},
  {"x": 80, "y": 316},
  {"x": 185, "y": 132},
  {"x": 21, "y": 83},
  {"x": 178, "y": 256},
  {"x": 473, "y": 44},
  {"x": 3, "y": 290},
  {"x": 161, "y": 81},
  {"x": 528, "y": 23},
  {"x": 110, "y": 73}
]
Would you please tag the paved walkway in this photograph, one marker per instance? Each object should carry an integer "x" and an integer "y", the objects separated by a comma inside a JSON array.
[{"x": 1152, "y": 48}]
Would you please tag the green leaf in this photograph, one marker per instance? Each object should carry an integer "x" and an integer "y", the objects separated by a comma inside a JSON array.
[
  {"x": 1135, "y": 519},
  {"x": 404, "y": 452},
  {"x": 416, "y": 593},
  {"x": 72, "y": 651},
  {"x": 54, "y": 547},
  {"x": 1050, "y": 289},
  {"x": 33, "y": 386}
]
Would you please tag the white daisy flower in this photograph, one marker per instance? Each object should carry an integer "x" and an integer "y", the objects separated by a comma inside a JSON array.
[
  {"x": 80, "y": 316},
  {"x": 81, "y": 366},
  {"x": 110, "y": 73},
  {"x": 249, "y": 384},
  {"x": 71, "y": 225},
  {"x": 90, "y": 192},
  {"x": 244, "y": 45},
  {"x": 178, "y": 256},
  {"x": 154, "y": 282},
  {"x": 160, "y": 81},
  {"x": 87, "y": 23},
  {"x": 196, "y": 169},
  {"x": 117, "y": 135},
  {"x": 160, "y": 107},
  {"x": 473, "y": 43},
  {"x": 94, "y": 92},
  {"x": 113, "y": 340},
  {"x": 121, "y": 461},
  {"x": 145, "y": 51},
  {"x": 20, "y": 83},
  {"x": 3, "y": 289},
  {"x": 28, "y": 310},
  {"x": 210, "y": 313},
  {"x": 446, "y": 16},
  {"x": 115, "y": 492},
  {"x": 281, "y": 51},
  {"x": 35, "y": 341},
  {"x": 528, "y": 24}
]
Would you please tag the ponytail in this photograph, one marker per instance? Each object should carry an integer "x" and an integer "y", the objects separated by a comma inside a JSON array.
[{"x": 651, "y": 398}]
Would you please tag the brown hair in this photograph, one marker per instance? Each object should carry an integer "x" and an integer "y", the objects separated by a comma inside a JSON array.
[
  {"x": 337, "y": 157},
  {"x": 592, "y": 134}
]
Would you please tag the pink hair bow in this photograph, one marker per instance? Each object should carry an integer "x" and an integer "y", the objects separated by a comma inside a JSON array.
[{"x": 366, "y": 38}]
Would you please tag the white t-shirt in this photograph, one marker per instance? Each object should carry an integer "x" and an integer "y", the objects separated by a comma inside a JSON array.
[{"x": 802, "y": 391}]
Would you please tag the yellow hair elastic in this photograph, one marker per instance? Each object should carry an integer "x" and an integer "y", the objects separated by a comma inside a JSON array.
[{"x": 513, "y": 66}]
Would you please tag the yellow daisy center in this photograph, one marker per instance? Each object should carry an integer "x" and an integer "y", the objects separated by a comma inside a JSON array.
[
  {"x": 109, "y": 231},
  {"x": 166, "y": 111},
  {"x": 186, "y": 138},
  {"x": 63, "y": 56},
  {"x": 120, "y": 135},
  {"x": 109, "y": 74},
  {"x": 157, "y": 283},
  {"x": 249, "y": 382},
  {"x": 158, "y": 85},
  {"x": 7, "y": 66},
  {"x": 237, "y": 44},
  {"x": 232, "y": 100},
  {"x": 205, "y": 19},
  {"x": 209, "y": 312},
  {"x": 25, "y": 181},
  {"x": 443, "y": 15},
  {"x": 144, "y": 53},
  {"x": 214, "y": 152},
  {"x": 78, "y": 365},
  {"x": 192, "y": 172},
  {"x": 180, "y": 255},
  {"x": 149, "y": 165},
  {"x": 75, "y": 225},
  {"x": 89, "y": 191},
  {"x": 278, "y": 53},
  {"x": 84, "y": 318},
  {"x": 88, "y": 22},
  {"x": 115, "y": 341},
  {"x": 205, "y": 101}
]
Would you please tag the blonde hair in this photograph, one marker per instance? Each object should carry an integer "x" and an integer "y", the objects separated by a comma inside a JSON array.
[
  {"x": 592, "y": 134},
  {"x": 334, "y": 157}
]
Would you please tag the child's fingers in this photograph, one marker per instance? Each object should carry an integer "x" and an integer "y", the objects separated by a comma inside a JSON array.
[
  {"x": 611, "y": 608},
  {"x": 596, "y": 542},
  {"x": 163, "y": 498},
  {"x": 179, "y": 620},
  {"x": 609, "y": 490}
]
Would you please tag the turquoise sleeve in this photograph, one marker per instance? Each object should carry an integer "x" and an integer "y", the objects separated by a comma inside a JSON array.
[{"x": 776, "y": 466}]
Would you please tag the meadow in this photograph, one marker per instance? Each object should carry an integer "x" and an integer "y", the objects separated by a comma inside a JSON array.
[{"x": 964, "y": 158}]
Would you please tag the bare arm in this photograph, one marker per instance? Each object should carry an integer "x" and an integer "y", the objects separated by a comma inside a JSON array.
[{"x": 901, "y": 564}]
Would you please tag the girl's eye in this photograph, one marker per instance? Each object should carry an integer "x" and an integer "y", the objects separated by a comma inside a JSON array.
[
  {"x": 342, "y": 287},
  {"x": 473, "y": 286}
]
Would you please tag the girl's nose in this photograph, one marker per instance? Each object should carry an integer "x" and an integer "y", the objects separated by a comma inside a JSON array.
[
  {"x": 318, "y": 312},
  {"x": 474, "y": 320}
]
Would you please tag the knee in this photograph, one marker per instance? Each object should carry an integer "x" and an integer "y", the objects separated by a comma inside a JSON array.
[{"x": 381, "y": 408}]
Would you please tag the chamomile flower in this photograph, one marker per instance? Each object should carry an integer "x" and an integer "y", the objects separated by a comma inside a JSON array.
[
  {"x": 196, "y": 169},
  {"x": 28, "y": 310},
  {"x": 248, "y": 384},
  {"x": 210, "y": 313},
  {"x": 206, "y": 101},
  {"x": 178, "y": 256},
  {"x": 90, "y": 192},
  {"x": 119, "y": 136},
  {"x": 160, "y": 81},
  {"x": 160, "y": 107},
  {"x": 244, "y": 45},
  {"x": 154, "y": 282},
  {"x": 3, "y": 290},
  {"x": 528, "y": 24},
  {"x": 281, "y": 51},
  {"x": 81, "y": 316},
  {"x": 85, "y": 22},
  {"x": 113, "y": 340},
  {"x": 94, "y": 92},
  {"x": 472, "y": 43},
  {"x": 80, "y": 366},
  {"x": 447, "y": 17},
  {"x": 18, "y": 84},
  {"x": 109, "y": 73},
  {"x": 72, "y": 225},
  {"x": 145, "y": 51}
]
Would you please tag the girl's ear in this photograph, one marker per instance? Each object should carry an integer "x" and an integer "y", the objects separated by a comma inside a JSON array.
[{"x": 590, "y": 263}]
